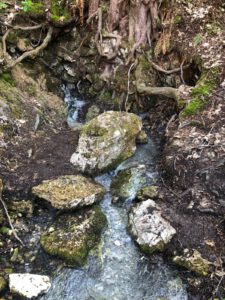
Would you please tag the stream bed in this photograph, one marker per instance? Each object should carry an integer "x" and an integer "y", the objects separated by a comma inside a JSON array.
[{"x": 118, "y": 270}]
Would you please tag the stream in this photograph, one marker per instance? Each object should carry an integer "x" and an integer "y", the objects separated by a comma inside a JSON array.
[{"x": 119, "y": 271}]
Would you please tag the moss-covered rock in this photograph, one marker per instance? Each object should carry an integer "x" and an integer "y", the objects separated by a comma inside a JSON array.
[
  {"x": 148, "y": 192},
  {"x": 128, "y": 182},
  {"x": 193, "y": 262},
  {"x": 106, "y": 141},
  {"x": 93, "y": 112},
  {"x": 70, "y": 191},
  {"x": 142, "y": 138},
  {"x": 72, "y": 236},
  {"x": 3, "y": 284}
]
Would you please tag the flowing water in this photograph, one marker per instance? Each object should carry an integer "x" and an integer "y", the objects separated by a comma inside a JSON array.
[
  {"x": 74, "y": 107},
  {"x": 119, "y": 271}
]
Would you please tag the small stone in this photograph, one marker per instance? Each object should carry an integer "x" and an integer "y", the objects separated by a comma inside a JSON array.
[
  {"x": 29, "y": 285},
  {"x": 142, "y": 138},
  {"x": 148, "y": 192},
  {"x": 15, "y": 255},
  {"x": 194, "y": 262},
  {"x": 93, "y": 112},
  {"x": 51, "y": 229}
]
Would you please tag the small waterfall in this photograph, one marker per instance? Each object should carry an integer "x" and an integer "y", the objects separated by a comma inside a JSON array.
[{"x": 74, "y": 107}]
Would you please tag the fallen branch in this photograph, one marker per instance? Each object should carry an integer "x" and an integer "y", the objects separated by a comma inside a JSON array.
[
  {"x": 168, "y": 92},
  {"x": 8, "y": 216}
]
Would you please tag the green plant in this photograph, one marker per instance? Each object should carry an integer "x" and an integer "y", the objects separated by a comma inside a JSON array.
[
  {"x": 198, "y": 39},
  {"x": 3, "y": 5},
  {"x": 26, "y": 5}
]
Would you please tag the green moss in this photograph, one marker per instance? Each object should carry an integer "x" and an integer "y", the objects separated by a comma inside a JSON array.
[
  {"x": 9, "y": 96},
  {"x": 59, "y": 11},
  {"x": 127, "y": 182},
  {"x": 201, "y": 93},
  {"x": 3, "y": 284},
  {"x": 195, "y": 263},
  {"x": 7, "y": 77},
  {"x": 149, "y": 250},
  {"x": 31, "y": 89},
  {"x": 75, "y": 235}
]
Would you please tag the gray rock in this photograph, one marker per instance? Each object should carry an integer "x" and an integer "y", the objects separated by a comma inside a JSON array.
[
  {"x": 149, "y": 229},
  {"x": 29, "y": 285},
  {"x": 70, "y": 192},
  {"x": 106, "y": 141}
]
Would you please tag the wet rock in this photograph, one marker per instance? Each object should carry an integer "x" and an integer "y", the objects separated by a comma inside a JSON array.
[
  {"x": 72, "y": 236},
  {"x": 148, "y": 192},
  {"x": 193, "y": 262},
  {"x": 29, "y": 285},
  {"x": 149, "y": 229},
  {"x": 106, "y": 141},
  {"x": 142, "y": 138},
  {"x": 70, "y": 192},
  {"x": 127, "y": 182},
  {"x": 3, "y": 284},
  {"x": 92, "y": 113}
]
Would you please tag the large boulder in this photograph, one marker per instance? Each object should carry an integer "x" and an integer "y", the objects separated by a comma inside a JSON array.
[
  {"x": 29, "y": 285},
  {"x": 70, "y": 191},
  {"x": 149, "y": 229},
  {"x": 106, "y": 141},
  {"x": 72, "y": 236}
]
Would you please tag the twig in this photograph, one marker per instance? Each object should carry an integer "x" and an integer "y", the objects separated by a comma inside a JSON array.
[
  {"x": 174, "y": 193},
  {"x": 10, "y": 222}
]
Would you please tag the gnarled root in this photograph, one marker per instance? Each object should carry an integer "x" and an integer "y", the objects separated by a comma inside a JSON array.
[{"x": 168, "y": 92}]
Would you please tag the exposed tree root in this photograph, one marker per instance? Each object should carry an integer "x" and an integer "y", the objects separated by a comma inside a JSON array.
[
  {"x": 9, "y": 62},
  {"x": 169, "y": 72},
  {"x": 168, "y": 92}
]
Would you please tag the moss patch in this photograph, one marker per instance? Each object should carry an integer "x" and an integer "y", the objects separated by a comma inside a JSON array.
[
  {"x": 3, "y": 284},
  {"x": 201, "y": 93},
  {"x": 72, "y": 236}
]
